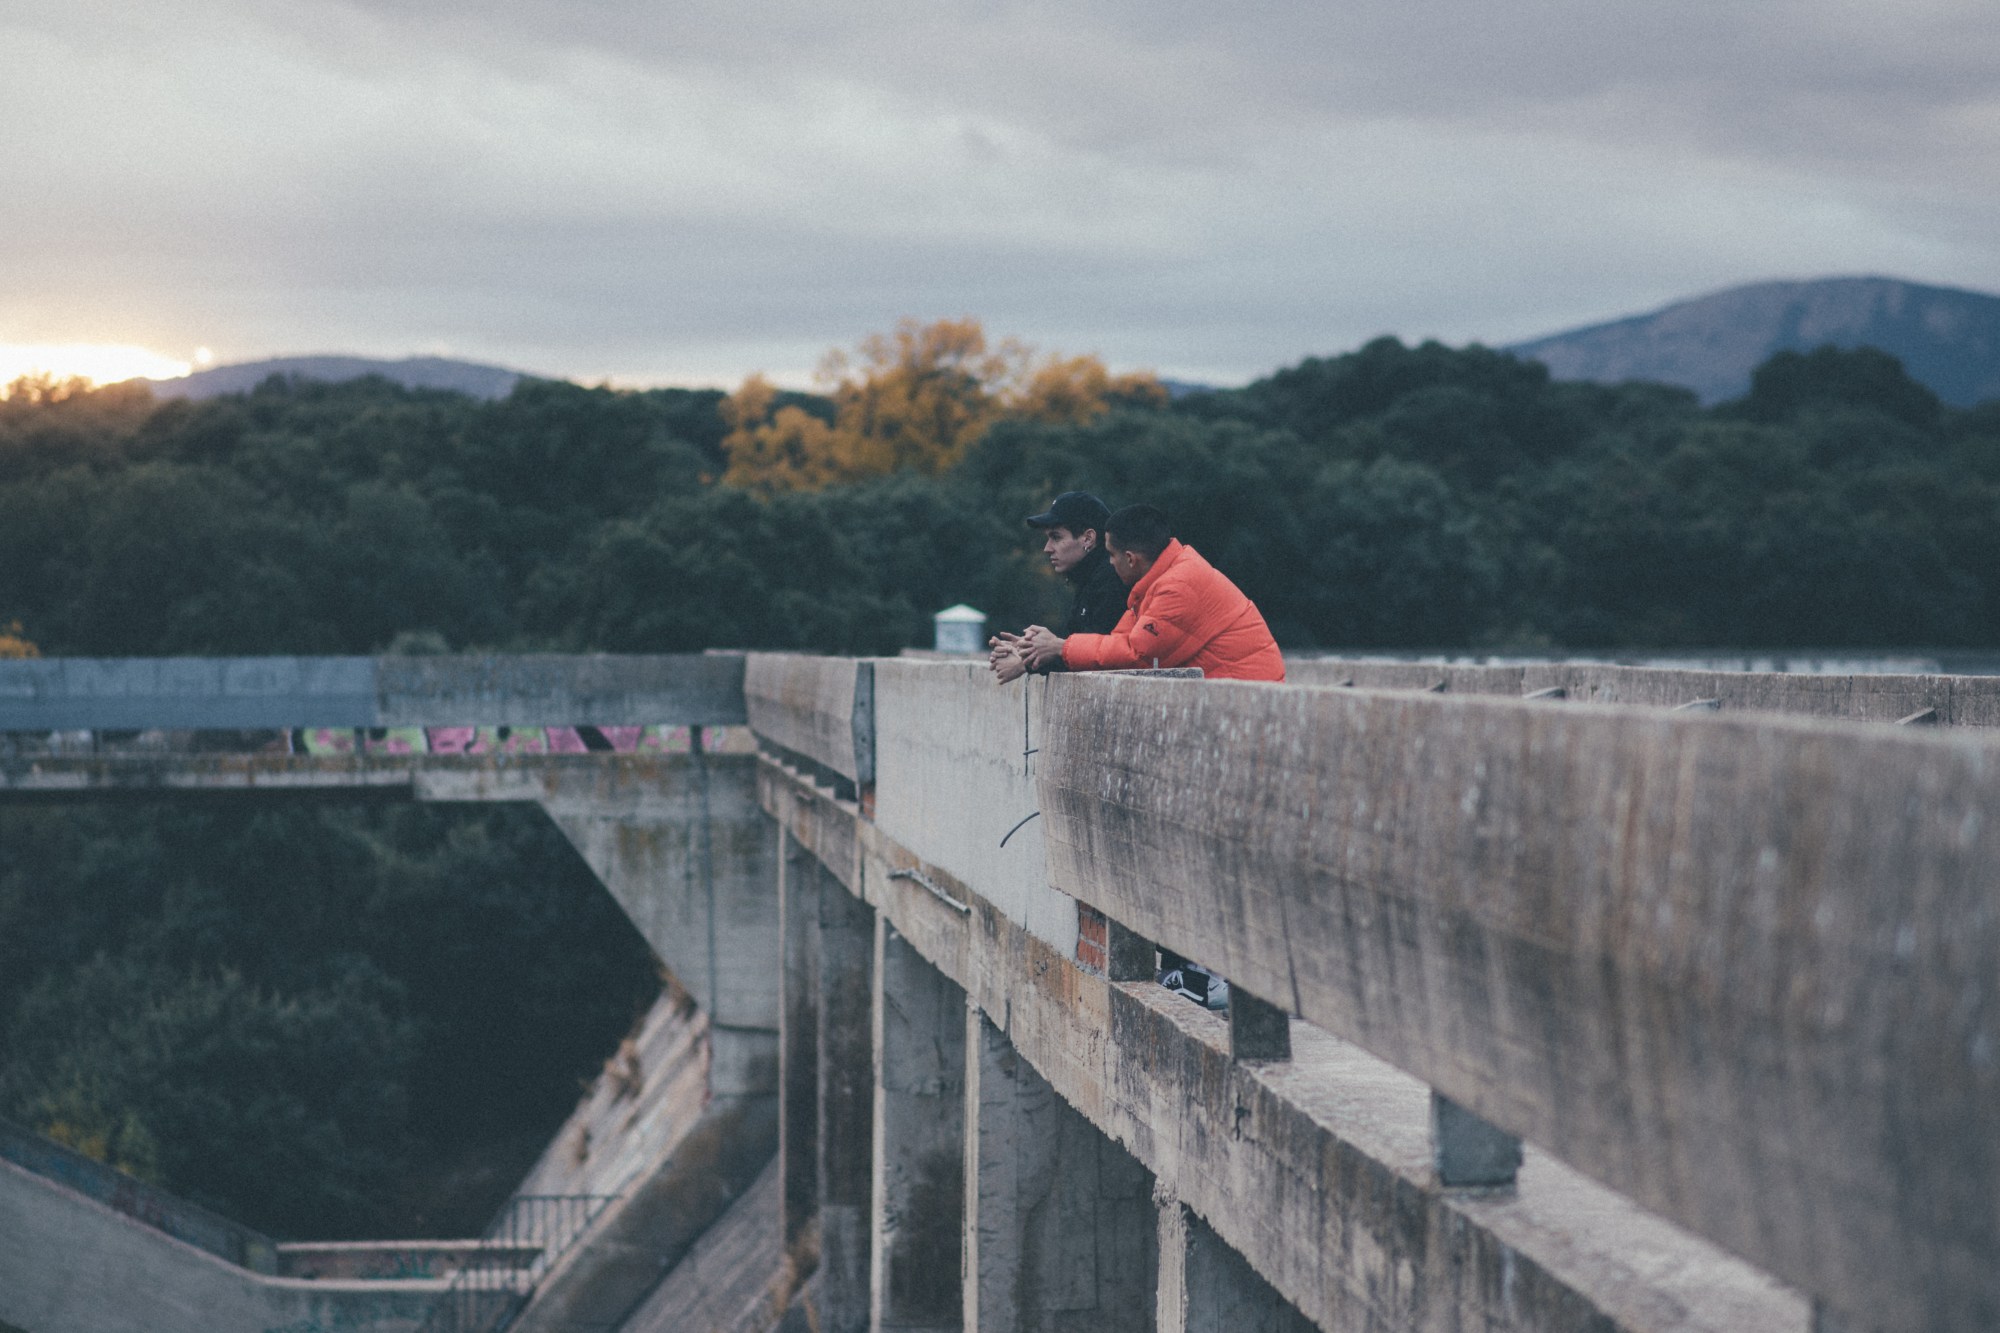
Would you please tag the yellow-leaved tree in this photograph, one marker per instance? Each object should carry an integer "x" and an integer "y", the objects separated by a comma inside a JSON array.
[
  {"x": 14, "y": 644},
  {"x": 913, "y": 399}
]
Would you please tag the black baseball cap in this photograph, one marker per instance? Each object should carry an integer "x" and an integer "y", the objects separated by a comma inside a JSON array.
[{"x": 1075, "y": 510}]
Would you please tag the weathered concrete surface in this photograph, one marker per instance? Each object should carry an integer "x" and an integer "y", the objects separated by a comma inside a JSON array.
[
  {"x": 1059, "y": 1228},
  {"x": 799, "y": 877},
  {"x": 846, "y": 1103},
  {"x": 953, "y": 777},
  {"x": 1333, "y": 1148},
  {"x": 734, "y": 1280},
  {"x": 919, "y": 1140},
  {"x": 70, "y": 1265},
  {"x": 1206, "y": 1287},
  {"x": 819, "y": 708},
  {"x": 692, "y": 861},
  {"x": 568, "y": 689},
  {"x": 1959, "y": 700},
  {"x": 640, "y": 1239},
  {"x": 164, "y": 1212},
  {"x": 634, "y": 1114},
  {"x": 399, "y": 1259},
  {"x": 1741, "y": 970},
  {"x": 52, "y": 694}
]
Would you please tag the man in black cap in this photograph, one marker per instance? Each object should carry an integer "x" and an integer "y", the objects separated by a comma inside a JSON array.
[{"x": 1073, "y": 540}]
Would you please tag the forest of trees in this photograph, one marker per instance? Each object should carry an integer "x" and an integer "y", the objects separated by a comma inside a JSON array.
[{"x": 164, "y": 999}]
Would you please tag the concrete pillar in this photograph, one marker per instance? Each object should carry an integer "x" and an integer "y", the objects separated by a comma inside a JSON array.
[
  {"x": 919, "y": 1177},
  {"x": 1258, "y": 1029},
  {"x": 1060, "y": 1225},
  {"x": 1206, "y": 1287},
  {"x": 846, "y": 1107},
  {"x": 1130, "y": 956},
  {"x": 799, "y": 888}
]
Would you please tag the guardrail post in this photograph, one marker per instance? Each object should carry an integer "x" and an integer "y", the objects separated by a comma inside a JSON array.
[
  {"x": 1258, "y": 1029},
  {"x": 1469, "y": 1151}
]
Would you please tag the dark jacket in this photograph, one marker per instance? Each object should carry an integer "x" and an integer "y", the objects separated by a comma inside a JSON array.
[
  {"x": 1097, "y": 600},
  {"x": 1100, "y": 596}
]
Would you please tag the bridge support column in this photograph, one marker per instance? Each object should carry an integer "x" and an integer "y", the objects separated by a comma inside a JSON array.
[
  {"x": 919, "y": 1168},
  {"x": 846, "y": 1107},
  {"x": 799, "y": 889},
  {"x": 1060, "y": 1229},
  {"x": 1206, "y": 1287}
]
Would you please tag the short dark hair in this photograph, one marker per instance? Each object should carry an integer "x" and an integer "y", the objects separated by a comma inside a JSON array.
[{"x": 1140, "y": 528}]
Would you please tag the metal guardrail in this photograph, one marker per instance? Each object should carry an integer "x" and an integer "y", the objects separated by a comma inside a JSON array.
[
  {"x": 485, "y": 1296},
  {"x": 164, "y": 1212}
]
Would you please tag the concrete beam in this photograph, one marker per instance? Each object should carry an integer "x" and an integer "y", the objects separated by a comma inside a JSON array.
[
  {"x": 692, "y": 860},
  {"x": 1350, "y": 1223},
  {"x": 1655, "y": 944},
  {"x": 229, "y": 693}
]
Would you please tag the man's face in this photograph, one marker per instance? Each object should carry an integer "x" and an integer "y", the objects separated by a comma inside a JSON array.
[
  {"x": 1129, "y": 565},
  {"x": 1066, "y": 549}
]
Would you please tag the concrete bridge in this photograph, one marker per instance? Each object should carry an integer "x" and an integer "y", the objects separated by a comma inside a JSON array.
[{"x": 1563, "y": 996}]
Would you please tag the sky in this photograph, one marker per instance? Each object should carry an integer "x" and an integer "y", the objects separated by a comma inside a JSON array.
[{"x": 689, "y": 192}]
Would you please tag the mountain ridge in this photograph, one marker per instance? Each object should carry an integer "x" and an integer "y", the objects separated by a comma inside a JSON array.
[
  {"x": 1947, "y": 338},
  {"x": 471, "y": 378}
]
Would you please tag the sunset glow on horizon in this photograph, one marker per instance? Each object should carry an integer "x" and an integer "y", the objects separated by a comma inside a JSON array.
[{"x": 100, "y": 363}]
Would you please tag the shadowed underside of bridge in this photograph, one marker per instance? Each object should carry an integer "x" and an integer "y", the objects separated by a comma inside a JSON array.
[{"x": 1563, "y": 996}]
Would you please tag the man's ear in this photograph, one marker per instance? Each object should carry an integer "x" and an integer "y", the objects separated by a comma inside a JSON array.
[{"x": 1090, "y": 539}]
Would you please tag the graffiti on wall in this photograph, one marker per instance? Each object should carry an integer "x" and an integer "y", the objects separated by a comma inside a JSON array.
[{"x": 520, "y": 740}]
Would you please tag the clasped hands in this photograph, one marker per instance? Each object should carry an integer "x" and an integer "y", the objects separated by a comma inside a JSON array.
[{"x": 1014, "y": 655}]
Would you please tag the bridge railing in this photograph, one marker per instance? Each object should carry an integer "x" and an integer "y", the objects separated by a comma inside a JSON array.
[
  {"x": 1741, "y": 970},
  {"x": 1739, "y": 967}
]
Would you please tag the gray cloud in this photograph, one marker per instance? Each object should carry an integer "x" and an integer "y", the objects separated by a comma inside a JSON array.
[{"x": 696, "y": 191}]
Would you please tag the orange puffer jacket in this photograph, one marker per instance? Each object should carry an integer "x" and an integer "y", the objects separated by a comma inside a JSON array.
[{"x": 1184, "y": 612}]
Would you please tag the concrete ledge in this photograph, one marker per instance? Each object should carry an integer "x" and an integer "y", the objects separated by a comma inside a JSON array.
[
  {"x": 1971, "y": 701},
  {"x": 1319, "y": 1171},
  {"x": 1740, "y": 970}
]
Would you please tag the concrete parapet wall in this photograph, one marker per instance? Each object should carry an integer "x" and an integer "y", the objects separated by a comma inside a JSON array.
[
  {"x": 1318, "y": 1171},
  {"x": 955, "y": 775},
  {"x": 1972, "y": 701},
  {"x": 198, "y": 693},
  {"x": 819, "y": 708},
  {"x": 1739, "y": 969}
]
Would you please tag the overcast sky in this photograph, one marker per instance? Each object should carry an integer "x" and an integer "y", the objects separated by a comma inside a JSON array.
[{"x": 687, "y": 192}]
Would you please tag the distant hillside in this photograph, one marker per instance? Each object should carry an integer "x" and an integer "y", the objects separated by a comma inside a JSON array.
[
  {"x": 1946, "y": 337},
  {"x": 416, "y": 372}
]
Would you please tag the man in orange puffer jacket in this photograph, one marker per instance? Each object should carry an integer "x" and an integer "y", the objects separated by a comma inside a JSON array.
[{"x": 1182, "y": 611}]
